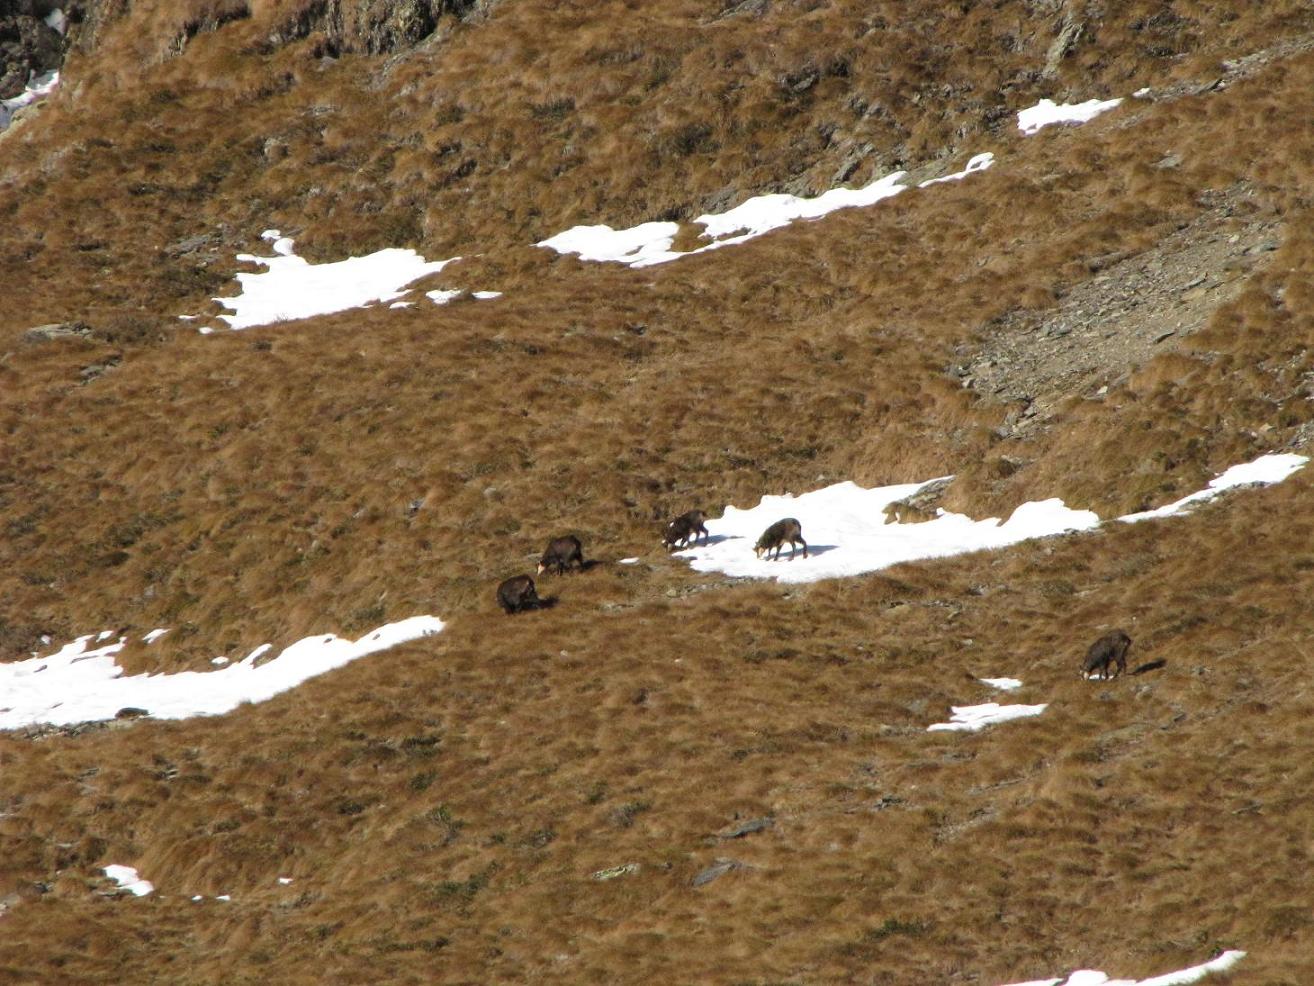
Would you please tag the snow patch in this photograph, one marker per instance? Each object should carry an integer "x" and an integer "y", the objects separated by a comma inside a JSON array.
[
  {"x": 1182, "y": 977},
  {"x": 441, "y": 297},
  {"x": 1047, "y": 112},
  {"x": 292, "y": 287},
  {"x": 979, "y": 162},
  {"x": 37, "y": 89},
  {"x": 57, "y": 21},
  {"x": 629, "y": 561},
  {"x": 129, "y": 879},
  {"x": 636, "y": 246},
  {"x": 1003, "y": 684},
  {"x": 1264, "y": 471},
  {"x": 970, "y": 718},
  {"x": 154, "y": 635},
  {"x": 487, "y": 295},
  {"x": 78, "y": 684},
  {"x": 847, "y": 535},
  {"x": 846, "y": 532},
  {"x": 650, "y": 243}
]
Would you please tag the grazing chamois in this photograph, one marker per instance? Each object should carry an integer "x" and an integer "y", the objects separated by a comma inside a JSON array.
[
  {"x": 561, "y": 553},
  {"x": 685, "y": 528},
  {"x": 1109, "y": 650},
  {"x": 777, "y": 534},
  {"x": 517, "y": 594}
]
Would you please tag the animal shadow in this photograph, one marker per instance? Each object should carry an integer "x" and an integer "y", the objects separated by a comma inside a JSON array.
[
  {"x": 589, "y": 565},
  {"x": 710, "y": 540},
  {"x": 543, "y": 602},
  {"x": 1151, "y": 666},
  {"x": 820, "y": 549}
]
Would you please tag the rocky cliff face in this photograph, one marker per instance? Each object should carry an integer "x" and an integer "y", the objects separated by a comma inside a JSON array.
[
  {"x": 29, "y": 45},
  {"x": 375, "y": 26},
  {"x": 34, "y": 34}
]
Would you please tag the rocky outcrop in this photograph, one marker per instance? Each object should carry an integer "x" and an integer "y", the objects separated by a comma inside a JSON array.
[
  {"x": 920, "y": 506},
  {"x": 374, "y": 26},
  {"x": 30, "y": 45},
  {"x": 34, "y": 34}
]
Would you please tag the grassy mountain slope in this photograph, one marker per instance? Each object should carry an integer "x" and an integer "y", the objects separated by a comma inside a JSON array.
[{"x": 442, "y": 806}]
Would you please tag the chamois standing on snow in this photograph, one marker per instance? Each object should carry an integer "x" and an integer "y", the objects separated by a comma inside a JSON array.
[
  {"x": 685, "y": 528},
  {"x": 517, "y": 594},
  {"x": 1109, "y": 650},
  {"x": 777, "y": 534},
  {"x": 561, "y": 553}
]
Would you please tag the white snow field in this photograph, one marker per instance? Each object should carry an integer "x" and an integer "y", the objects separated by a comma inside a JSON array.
[
  {"x": 82, "y": 683},
  {"x": 978, "y": 162},
  {"x": 970, "y": 718},
  {"x": 129, "y": 879},
  {"x": 443, "y": 295},
  {"x": 37, "y": 88},
  {"x": 650, "y": 243},
  {"x": 1182, "y": 977},
  {"x": 847, "y": 535},
  {"x": 1046, "y": 113},
  {"x": 1003, "y": 684},
  {"x": 292, "y": 287},
  {"x": 846, "y": 532},
  {"x": 1264, "y": 471}
]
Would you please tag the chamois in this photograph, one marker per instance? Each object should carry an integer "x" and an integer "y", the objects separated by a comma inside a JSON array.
[
  {"x": 561, "y": 553},
  {"x": 1109, "y": 650},
  {"x": 777, "y": 534},
  {"x": 517, "y": 594},
  {"x": 685, "y": 528}
]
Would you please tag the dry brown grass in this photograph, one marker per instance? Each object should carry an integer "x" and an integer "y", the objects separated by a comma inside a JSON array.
[{"x": 441, "y": 806}]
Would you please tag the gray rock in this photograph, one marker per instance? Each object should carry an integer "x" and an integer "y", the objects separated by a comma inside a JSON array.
[
  {"x": 747, "y": 828},
  {"x": 755, "y": 8},
  {"x": 850, "y": 163},
  {"x": 56, "y": 330},
  {"x": 28, "y": 46},
  {"x": 189, "y": 244},
  {"x": 919, "y": 506},
  {"x": 89, "y": 373},
  {"x": 379, "y": 28},
  {"x": 718, "y": 869},
  {"x": 1070, "y": 31},
  {"x": 613, "y": 872}
]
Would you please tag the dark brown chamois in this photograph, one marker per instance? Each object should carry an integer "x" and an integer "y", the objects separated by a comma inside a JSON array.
[
  {"x": 1109, "y": 650},
  {"x": 685, "y": 528},
  {"x": 777, "y": 534},
  {"x": 517, "y": 594},
  {"x": 561, "y": 553}
]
